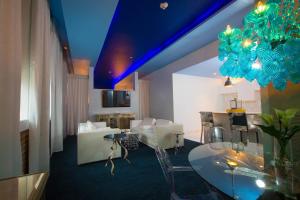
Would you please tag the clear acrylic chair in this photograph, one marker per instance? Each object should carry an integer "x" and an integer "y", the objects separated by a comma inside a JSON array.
[{"x": 168, "y": 172}]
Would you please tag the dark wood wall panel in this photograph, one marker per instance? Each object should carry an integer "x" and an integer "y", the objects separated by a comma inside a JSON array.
[{"x": 24, "y": 137}]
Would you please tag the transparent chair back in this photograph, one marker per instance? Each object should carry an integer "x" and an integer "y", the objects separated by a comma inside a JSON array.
[{"x": 168, "y": 172}]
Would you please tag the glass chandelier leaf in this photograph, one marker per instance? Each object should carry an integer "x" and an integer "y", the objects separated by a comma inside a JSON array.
[{"x": 268, "y": 48}]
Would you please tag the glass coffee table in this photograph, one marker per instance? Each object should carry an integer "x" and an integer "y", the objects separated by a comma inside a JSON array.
[{"x": 131, "y": 142}]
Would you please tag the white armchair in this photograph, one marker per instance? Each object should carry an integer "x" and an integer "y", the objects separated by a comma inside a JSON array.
[
  {"x": 158, "y": 132},
  {"x": 91, "y": 145}
]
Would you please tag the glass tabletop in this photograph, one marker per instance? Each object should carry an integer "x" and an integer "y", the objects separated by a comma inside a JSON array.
[
  {"x": 115, "y": 136},
  {"x": 239, "y": 171}
]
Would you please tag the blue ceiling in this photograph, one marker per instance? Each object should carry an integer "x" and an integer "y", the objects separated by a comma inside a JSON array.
[
  {"x": 87, "y": 23},
  {"x": 140, "y": 30},
  {"x": 128, "y": 33}
]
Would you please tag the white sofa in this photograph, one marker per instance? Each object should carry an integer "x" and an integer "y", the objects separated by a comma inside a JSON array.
[
  {"x": 158, "y": 132},
  {"x": 91, "y": 145}
]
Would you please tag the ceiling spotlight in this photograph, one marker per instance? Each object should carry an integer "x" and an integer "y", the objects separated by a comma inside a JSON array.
[
  {"x": 130, "y": 57},
  {"x": 228, "y": 82},
  {"x": 164, "y": 5}
]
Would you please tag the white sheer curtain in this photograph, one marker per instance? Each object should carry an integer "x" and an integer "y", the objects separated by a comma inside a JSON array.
[
  {"x": 39, "y": 91},
  {"x": 77, "y": 102},
  {"x": 10, "y": 84},
  {"x": 58, "y": 74},
  {"x": 143, "y": 99}
]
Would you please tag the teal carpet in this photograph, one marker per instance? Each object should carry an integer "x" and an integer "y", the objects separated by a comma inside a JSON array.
[{"x": 140, "y": 180}]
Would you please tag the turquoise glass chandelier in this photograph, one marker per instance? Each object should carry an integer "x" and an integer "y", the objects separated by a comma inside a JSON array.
[{"x": 268, "y": 47}]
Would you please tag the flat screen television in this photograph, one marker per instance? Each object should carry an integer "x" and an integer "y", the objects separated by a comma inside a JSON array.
[{"x": 115, "y": 98}]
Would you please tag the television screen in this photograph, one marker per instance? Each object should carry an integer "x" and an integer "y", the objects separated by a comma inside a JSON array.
[{"x": 115, "y": 98}]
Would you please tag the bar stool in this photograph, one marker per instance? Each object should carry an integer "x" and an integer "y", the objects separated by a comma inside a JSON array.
[
  {"x": 239, "y": 123},
  {"x": 217, "y": 134},
  {"x": 207, "y": 121}
]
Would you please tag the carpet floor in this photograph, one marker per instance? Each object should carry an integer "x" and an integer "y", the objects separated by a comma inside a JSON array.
[{"x": 140, "y": 180}]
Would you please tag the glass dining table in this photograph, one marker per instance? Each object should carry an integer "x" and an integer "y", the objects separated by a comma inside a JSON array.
[{"x": 239, "y": 171}]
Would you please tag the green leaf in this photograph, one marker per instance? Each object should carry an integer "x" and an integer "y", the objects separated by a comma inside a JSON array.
[
  {"x": 287, "y": 117},
  {"x": 271, "y": 130},
  {"x": 279, "y": 113},
  {"x": 291, "y": 113},
  {"x": 293, "y": 131},
  {"x": 267, "y": 119}
]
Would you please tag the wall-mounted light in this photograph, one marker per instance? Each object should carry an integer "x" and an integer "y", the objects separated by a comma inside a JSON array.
[
  {"x": 228, "y": 82},
  {"x": 164, "y": 5}
]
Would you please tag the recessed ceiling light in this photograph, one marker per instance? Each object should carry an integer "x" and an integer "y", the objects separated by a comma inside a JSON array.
[
  {"x": 164, "y": 5},
  {"x": 130, "y": 57}
]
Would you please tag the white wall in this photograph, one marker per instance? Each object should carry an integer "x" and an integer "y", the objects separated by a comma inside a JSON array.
[
  {"x": 193, "y": 94},
  {"x": 248, "y": 93},
  {"x": 95, "y": 100}
]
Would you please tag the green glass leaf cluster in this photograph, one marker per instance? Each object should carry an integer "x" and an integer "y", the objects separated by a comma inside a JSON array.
[
  {"x": 272, "y": 51},
  {"x": 280, "y": 127}
]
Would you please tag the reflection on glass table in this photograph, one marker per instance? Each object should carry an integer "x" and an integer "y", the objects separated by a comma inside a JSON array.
[
  {"x": 23, "y": 187},
  {"x": 239, "y": 171}
]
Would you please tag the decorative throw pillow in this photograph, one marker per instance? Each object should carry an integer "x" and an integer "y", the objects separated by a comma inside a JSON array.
[
  {"x": 99, "y": 124},
  {"x": 163, "y": 122},
  {"x": 146, "y": 127},
  {"x": 148, "y": 122},
  {"x": 90, "y": 125}
]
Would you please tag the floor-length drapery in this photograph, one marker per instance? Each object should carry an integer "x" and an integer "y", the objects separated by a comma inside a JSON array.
[
  {"x": 77, "y": 102},
  {"x": 39, "y": 87},
  {"x": 143, "y": 99},
  {"x": 58, "y": 74},
  {"x": 10, "y": 84}
]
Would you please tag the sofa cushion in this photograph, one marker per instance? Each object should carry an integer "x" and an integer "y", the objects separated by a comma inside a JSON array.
[
  {"x": 163, "y": 122},
  {"x": 146, "y": 127},
  {"x": 148, "y": 122},
  {"x": 99, "y": 124},
  {"x": 90, "y": 125}
]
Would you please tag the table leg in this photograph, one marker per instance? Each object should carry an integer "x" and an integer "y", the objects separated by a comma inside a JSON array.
[
  {"x": 177, "y": 144},
  {"x": 111, "y": 156},
  {"x": 126, "y": 151}
]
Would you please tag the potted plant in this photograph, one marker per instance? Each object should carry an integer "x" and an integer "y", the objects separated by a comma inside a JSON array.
[{"x": 280, "y": 127}]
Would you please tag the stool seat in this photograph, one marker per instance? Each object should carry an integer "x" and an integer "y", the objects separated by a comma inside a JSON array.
[{"x": 215, "y": 131}]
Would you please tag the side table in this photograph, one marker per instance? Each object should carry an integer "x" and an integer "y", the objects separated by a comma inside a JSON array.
[{"x": 177, "y": 142}]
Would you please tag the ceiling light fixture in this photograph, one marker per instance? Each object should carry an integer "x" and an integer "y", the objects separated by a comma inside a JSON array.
[
  {"x": 228, "y": 82},
  {"x": 267, "y": 48},
  {"x": 164, "y": 5}
]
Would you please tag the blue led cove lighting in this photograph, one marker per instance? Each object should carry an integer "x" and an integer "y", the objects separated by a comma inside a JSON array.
[{"x": 152, "y": 53}]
